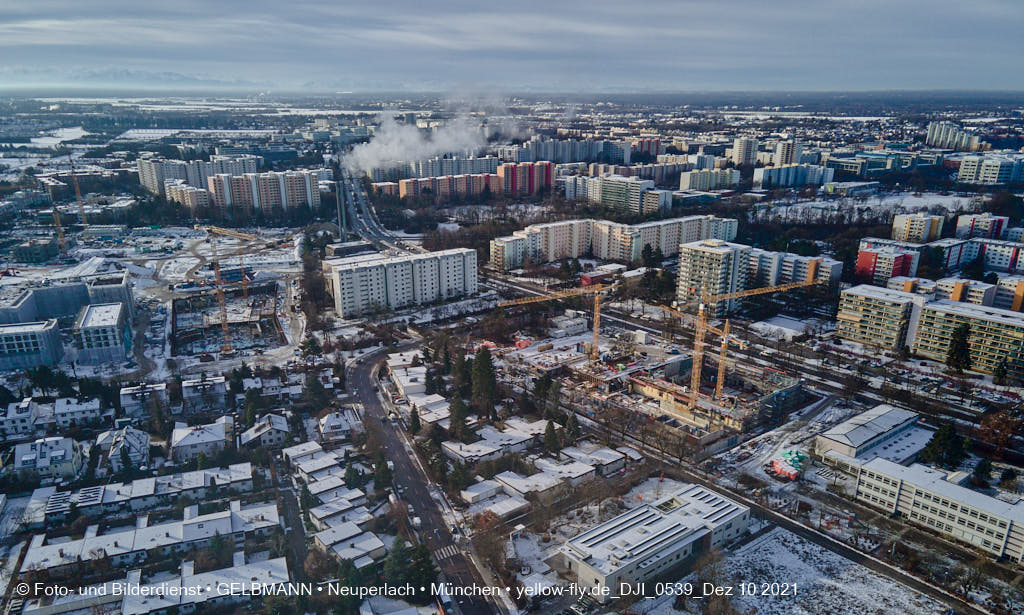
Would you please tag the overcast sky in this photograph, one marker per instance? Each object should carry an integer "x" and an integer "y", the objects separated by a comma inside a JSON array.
[{"x": 559, "y": 45}]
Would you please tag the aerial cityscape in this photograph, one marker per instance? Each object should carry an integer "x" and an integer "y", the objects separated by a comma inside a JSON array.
[{"x": 662, "y": 315}]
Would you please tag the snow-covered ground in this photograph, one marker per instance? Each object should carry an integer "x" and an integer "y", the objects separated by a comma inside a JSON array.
[
  {"x": 875, "y": 207},
  {"x": 825, "y": 582}
]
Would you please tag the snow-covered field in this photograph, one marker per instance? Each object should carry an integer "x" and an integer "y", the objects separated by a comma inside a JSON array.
[
  {"x": 826, "y": 582},
  {"x": 874, "y": 207}
]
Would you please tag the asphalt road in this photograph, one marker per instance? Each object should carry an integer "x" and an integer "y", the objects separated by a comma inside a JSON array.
[{"x": 454, "y": 565}]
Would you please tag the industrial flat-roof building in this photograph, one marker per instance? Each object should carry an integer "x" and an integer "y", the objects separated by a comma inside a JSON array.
[
  {"x": 883, "y": 431},
  {"x": 653, "y": 539}
]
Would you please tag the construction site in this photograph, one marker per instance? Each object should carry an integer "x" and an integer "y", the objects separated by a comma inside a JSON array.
[
  {"x": 234, "y": 315},
  {"x": 225, "y": 321},
  {"x": 652, "y": 376}
]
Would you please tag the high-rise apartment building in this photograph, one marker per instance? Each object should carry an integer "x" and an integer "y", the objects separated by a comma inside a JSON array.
[
  {"x": 996, "y": 335},
  {"x": 983, "y": 225},
  {"x": 553, "y": 241},
  {"x": 792, "y": 175},
  {"x": 712, "y": 267},
  {"x": 879, "y": 317},
  {"x": 877, "y": 265},
  {"x": 367, "y": 284},
  {"x": 917, "y": 227},
  {"x": 949, "y": 135},
  {"x": 787, "y": 152},
  {"x": 154, "y": 172},
  {"x": 951, "y": 288},
  {"x": 709, "y": 179},
  {"x": 991, "y": 169},
  {"x": 744, "y": 151},
  {"x": 772, "y": 268},
  {"x": 1010, "y": 293},
  {"x": 268, "y": 193},
  {"x": 190, "y": 197}
]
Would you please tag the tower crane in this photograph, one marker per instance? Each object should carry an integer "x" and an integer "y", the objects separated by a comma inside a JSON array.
[
  {"x": 226, "y": 348},
  {"x": 724, "y": 348},
  {"x": 226, "y": 232},
  {"x": 702, "y": 327},
  {"x": 595, "y": 290},
  {"x": 78, "y": 193}
]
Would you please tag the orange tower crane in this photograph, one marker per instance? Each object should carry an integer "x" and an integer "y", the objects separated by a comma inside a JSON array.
[
  {"x": 217, "y": 230},
  {"x": 701, "y": 327},
  {"x": 78, "y": 193},
  {"x": 564, "y": 294}
]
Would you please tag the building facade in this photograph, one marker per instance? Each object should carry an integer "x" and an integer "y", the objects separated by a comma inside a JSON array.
[
  {"x": 712, "y": 267},
  {"x": 364, "y": 285},
  {"x": 918, "y": 227}
]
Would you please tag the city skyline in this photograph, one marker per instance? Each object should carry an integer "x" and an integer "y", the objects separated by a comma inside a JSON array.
[{"x": 463, "y": 47}]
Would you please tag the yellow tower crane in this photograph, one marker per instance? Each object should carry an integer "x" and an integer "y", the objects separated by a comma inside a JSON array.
[
  {"x": 226, "y": 348},
  {"x": 699, "y": 355},
  {"x": 564, "y": 294},
  {"x": 701, "y": 327},
  {"x": 78, "y": 193},
  {"x": 226, "y": 232}
]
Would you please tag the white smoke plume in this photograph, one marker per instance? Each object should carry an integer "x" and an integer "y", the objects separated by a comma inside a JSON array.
[{"x": 393, "y": 141}]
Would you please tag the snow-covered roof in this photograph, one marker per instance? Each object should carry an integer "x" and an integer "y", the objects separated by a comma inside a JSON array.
[
  {"x": 868, "y": 425},
  {"x": 199, "y": 434},
  {"x": 937, "y": 482}
]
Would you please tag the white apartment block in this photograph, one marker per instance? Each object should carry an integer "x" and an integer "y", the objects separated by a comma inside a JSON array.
[
  {"x": 653, "y": 539},
  {"x": 787, "y": 152},
  {"x": 792, "y": 175},
  {"x": 30, "y": 344},
  {"x": 879, "y": 317},
  {"x": 744, "y": 151},
  {"x": 553, "y": 241},
  {"x": 102, "y": 334},
  {"x": 153, "y": 172},
  {"x": 712, "y": 267},
  {"x": 769, "y": 268},
  {"x": 917, "y": 227},
  {"x": 709, "y": 179},
  {"x": 984, "y": 225},
  {"x": 949, "y": 135},
  {"x": 991, "y": 169},
  {"x": 364, "y": 284},
  {"x": 937, "y": 500}
]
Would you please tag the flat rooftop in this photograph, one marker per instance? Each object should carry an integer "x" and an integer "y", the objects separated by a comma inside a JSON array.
[
  {"x": 100, "y": 315},
  {"x": 937, "y": 482},
  {"x": 647, "y": 533}
]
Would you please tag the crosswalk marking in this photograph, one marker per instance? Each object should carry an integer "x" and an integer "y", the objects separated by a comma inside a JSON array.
[{"x": 446, "y": 552}]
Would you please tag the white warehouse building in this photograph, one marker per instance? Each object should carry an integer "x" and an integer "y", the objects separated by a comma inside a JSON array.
[{"x": 653, "y": 539}]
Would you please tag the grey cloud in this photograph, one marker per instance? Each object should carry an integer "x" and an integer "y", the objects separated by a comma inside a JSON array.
[{"x": 570, "y": 44}]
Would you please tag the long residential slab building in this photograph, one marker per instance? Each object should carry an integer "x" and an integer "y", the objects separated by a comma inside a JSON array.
[
  {"x": 554, "y": 241},
  {"x": 375, "y": 283},
  {"x": 894, "y": 319}
]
